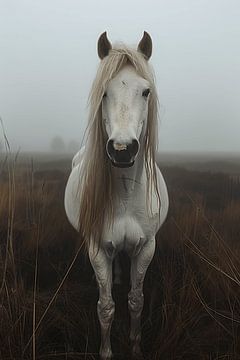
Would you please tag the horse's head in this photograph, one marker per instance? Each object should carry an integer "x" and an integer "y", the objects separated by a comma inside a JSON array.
[{"x": 125, "y": 106}]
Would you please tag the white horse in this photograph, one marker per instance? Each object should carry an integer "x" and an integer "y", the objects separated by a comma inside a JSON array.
[{"x": 116, "y": 196}]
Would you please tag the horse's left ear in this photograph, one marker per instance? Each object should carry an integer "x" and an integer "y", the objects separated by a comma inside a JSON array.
[
  {"x": 103, "y": 46},
  {"x": 145, "y": 45}
]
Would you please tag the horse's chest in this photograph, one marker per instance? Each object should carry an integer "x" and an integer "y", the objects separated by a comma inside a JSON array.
[{"x": 132, "y": 224}]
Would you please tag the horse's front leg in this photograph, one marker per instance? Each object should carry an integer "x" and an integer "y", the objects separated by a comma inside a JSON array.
[
  {"x": 139, "y": 265},
  {"x": 102, "y": 265}
]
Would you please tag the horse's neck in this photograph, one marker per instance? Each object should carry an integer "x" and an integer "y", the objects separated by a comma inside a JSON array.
[{"x": 126, "y": 179}]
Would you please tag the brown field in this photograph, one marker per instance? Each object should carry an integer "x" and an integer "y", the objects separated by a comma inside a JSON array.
[{"x": 48, "y": 293}]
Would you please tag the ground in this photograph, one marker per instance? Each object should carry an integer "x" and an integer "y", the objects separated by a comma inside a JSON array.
[{"x": 48, "y": 294}]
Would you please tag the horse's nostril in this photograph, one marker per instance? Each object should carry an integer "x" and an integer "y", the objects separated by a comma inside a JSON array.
[{"x": 133, "y": 147}]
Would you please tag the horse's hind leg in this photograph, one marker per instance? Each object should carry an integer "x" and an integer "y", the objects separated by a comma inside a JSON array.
[
  {"x": 117, "y": 271},
  {"x": 102, "y": 265},
  {"x": 139, "y": 265}
]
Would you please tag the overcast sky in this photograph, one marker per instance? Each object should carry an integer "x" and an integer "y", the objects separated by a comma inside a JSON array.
[{"x": 48, "y": 61}]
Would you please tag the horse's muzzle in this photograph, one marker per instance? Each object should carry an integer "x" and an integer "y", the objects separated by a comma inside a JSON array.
[{"x": 122, "y": 155}]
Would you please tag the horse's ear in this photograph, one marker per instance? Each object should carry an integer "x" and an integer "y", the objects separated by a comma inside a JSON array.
[
  {"x": 103, "y": 46},
  {"x": 145, "y": 45}
]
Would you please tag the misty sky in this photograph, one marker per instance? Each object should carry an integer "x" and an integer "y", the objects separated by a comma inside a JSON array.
[{"x": 48, "y": 61}]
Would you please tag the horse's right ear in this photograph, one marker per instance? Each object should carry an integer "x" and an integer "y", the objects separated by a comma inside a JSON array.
[{"x": 103, "y": 46}]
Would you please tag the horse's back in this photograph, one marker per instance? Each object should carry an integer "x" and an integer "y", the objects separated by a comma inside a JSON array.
[
  {"x": 163, "y": 197},
  {"x": 163, "y": 192},
  {"x": 73, "y": 190},
  {"x": 78, "y": 157}
]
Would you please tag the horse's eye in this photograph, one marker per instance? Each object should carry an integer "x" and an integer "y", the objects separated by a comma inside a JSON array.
[
  {"x": 105, "y": 95},
  {"x": 146, "y": 92}
]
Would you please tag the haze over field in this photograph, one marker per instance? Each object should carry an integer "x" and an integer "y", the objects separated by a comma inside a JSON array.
[{"x": 48, "y": 61}]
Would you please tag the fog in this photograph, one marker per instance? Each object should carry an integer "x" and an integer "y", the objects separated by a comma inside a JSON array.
[{"x": 48, "y": 61}]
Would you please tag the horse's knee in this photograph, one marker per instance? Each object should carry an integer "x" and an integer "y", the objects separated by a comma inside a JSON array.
[
  {"x": 106, "y": 309},
  {"x": 135, "y": 301}
]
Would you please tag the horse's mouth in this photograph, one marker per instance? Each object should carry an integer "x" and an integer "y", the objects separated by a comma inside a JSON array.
[{"x": 122, "y": 164}]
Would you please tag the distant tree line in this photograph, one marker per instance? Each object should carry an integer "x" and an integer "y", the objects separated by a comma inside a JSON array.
[{"x": 58, "y": 145}]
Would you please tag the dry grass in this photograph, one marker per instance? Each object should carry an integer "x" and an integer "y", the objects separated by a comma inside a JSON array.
[{"x": 48, "y": 292}]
